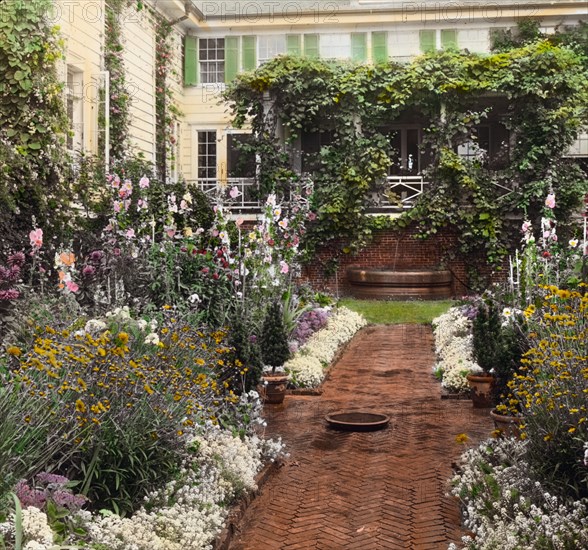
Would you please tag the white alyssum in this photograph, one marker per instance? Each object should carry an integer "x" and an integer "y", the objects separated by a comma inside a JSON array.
[
  {"x": 322, "y": 346},
  {"x": 507, "y": 509},
  {"x": 454, "y": 348},
  {"x": 36, "y": 530},
  {"x": 189, "y": 513}
]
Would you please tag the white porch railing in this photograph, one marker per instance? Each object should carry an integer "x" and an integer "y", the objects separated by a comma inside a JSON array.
[
  {"x": 396, "y": 193},
  {"x": 246, "y": 197}
]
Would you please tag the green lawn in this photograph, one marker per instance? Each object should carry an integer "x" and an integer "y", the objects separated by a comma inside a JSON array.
[{"x": 392, "y": 312}]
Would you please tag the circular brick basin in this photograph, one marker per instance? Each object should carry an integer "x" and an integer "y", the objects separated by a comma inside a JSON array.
[
  {"x": 357, "y": 421},
  {"x": 385, "y": 283}
]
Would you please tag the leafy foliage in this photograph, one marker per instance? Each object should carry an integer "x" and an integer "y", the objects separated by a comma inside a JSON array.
[
  {"x": 32, "y": 117},
  {"x": 544, "y": 80},
  {"x": 274, "y": 341}
]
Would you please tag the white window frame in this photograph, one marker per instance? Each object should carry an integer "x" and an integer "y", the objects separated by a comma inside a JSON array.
[
  {"x": 335, "y": 45},
  {"x": 199, "y": 132},
  {"x": 74, "y": 103},
  {"x": 205, "y": 65},
  {"x": 270, "y": 46}
]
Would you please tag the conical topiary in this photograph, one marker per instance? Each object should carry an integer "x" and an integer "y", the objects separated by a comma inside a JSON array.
[
  {"x": 274, "y": 341},
  {"x": 245, "y": 352}
]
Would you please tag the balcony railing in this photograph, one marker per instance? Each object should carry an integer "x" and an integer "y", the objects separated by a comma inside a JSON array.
[
  {"x": 245, "y": 199},
  {"x": 395, "y": 194}
]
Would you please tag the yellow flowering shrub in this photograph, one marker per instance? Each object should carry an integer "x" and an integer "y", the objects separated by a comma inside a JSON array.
[
  {"x": 551, "y": 388},
  {"x": 119, "y": 403}
]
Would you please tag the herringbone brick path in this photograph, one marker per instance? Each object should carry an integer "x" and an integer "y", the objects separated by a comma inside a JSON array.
[{"x": 374, "y": 490}]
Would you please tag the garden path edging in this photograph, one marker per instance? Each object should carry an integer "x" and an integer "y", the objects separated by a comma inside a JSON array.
[{"x": 238, "y": 509}]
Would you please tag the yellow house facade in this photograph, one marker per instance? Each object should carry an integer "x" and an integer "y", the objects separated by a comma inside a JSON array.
[{"x": 214, "y": 41}]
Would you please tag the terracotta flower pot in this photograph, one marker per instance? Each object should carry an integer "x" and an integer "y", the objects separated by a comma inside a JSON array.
[
  {"x": 481, "y": 390},
  {"x": 274, "y": 388},
  {"x": 507, "y": 425}
]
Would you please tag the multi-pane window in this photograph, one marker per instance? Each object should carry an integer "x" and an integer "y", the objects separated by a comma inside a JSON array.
[
  {"x": 207, "y": 154},
  {"x": 75, "y": 109},
  {"x": 335, "y": 46},
  {"x": 580, "y": 146},
  {"x": 211, "y": 53},
  {"x": 270, "y": 46},
  {"x": 478, "y": 147}
]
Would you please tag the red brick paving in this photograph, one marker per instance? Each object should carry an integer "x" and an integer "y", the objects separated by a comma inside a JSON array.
[{"x": 370, "y": 490}]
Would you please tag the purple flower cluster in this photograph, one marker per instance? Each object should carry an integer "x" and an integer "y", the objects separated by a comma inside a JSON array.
[
  {"x": 469, "y": 311},
  {"x": 9, "y": 275},
  {"x": 48, "y": 488},
  {"x": 93, "y": 263},
  {"x": 309, "y": 323}
]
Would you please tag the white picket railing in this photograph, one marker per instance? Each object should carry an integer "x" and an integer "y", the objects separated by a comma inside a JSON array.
[{"x": 396, "y": 193}]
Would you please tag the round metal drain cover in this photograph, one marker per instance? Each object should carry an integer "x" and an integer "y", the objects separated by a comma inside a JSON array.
[{"x": 357, "y": 421}]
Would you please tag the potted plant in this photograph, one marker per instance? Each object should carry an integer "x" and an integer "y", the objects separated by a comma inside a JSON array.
[
  {"x": 486, "y": 338},
  {"x": 274, "y": 352}
]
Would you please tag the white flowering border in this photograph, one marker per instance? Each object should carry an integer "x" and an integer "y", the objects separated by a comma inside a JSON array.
[
  {"x": 454, "y": 348},
  {"x": 307, "y": 368},
  {"x": 507, "y": 509},
  {"x": 187, "y": 513}
]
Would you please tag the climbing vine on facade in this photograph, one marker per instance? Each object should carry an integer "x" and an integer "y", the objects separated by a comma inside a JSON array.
[
  {"x": 166, "y": 109},
  {"x": 542, "y": 85},
  {"x": 120, "y": 99},
  {"x": 33, "y": 122}
]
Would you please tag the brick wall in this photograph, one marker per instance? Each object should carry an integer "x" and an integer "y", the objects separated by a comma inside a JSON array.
[{"x": 400, "y": 249}]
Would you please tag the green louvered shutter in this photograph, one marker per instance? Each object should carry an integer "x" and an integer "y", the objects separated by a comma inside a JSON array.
[
  {"x": 249, "y": 53},
  {"x": 380, "y": 47},
  {"x": 428, "y": 41},
  {"x": 294, "y": 44},
  {"x": 231, "y": 57},
  {"x": 359, "y": 46},
  {"x": 449, "y": 39},
  {"x": 190, "y": 61},
  {"x": 311, "y": 45}
]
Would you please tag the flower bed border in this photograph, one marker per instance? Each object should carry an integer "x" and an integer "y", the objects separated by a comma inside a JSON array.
[
  {"x": 237, "y": 510},
  {"x": 319, "y": 389}
]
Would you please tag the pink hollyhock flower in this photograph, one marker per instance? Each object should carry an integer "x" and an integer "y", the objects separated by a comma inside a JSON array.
[
  {"x": 311, "y": 216},
  {"x": 550, "y": 200},
  {"x": 130, "y": 234},
  {"x": 239, "y": 221},
  {"x": 71, "y": 286},
  {"x": 526, "y": 227},
  {"x": 284, "y": 268},
  {"x": 144, "y": 182},
  {"x": 115, "y": 182},
  {"x": 117, "y": 206},
  {"x": 234, "y": 192},
  {"x": 36, "y": 238},
  {"x": 283, "y": 223}
]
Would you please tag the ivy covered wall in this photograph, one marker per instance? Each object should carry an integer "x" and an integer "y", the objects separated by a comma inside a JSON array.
[{"x": 542, "y": 82}]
